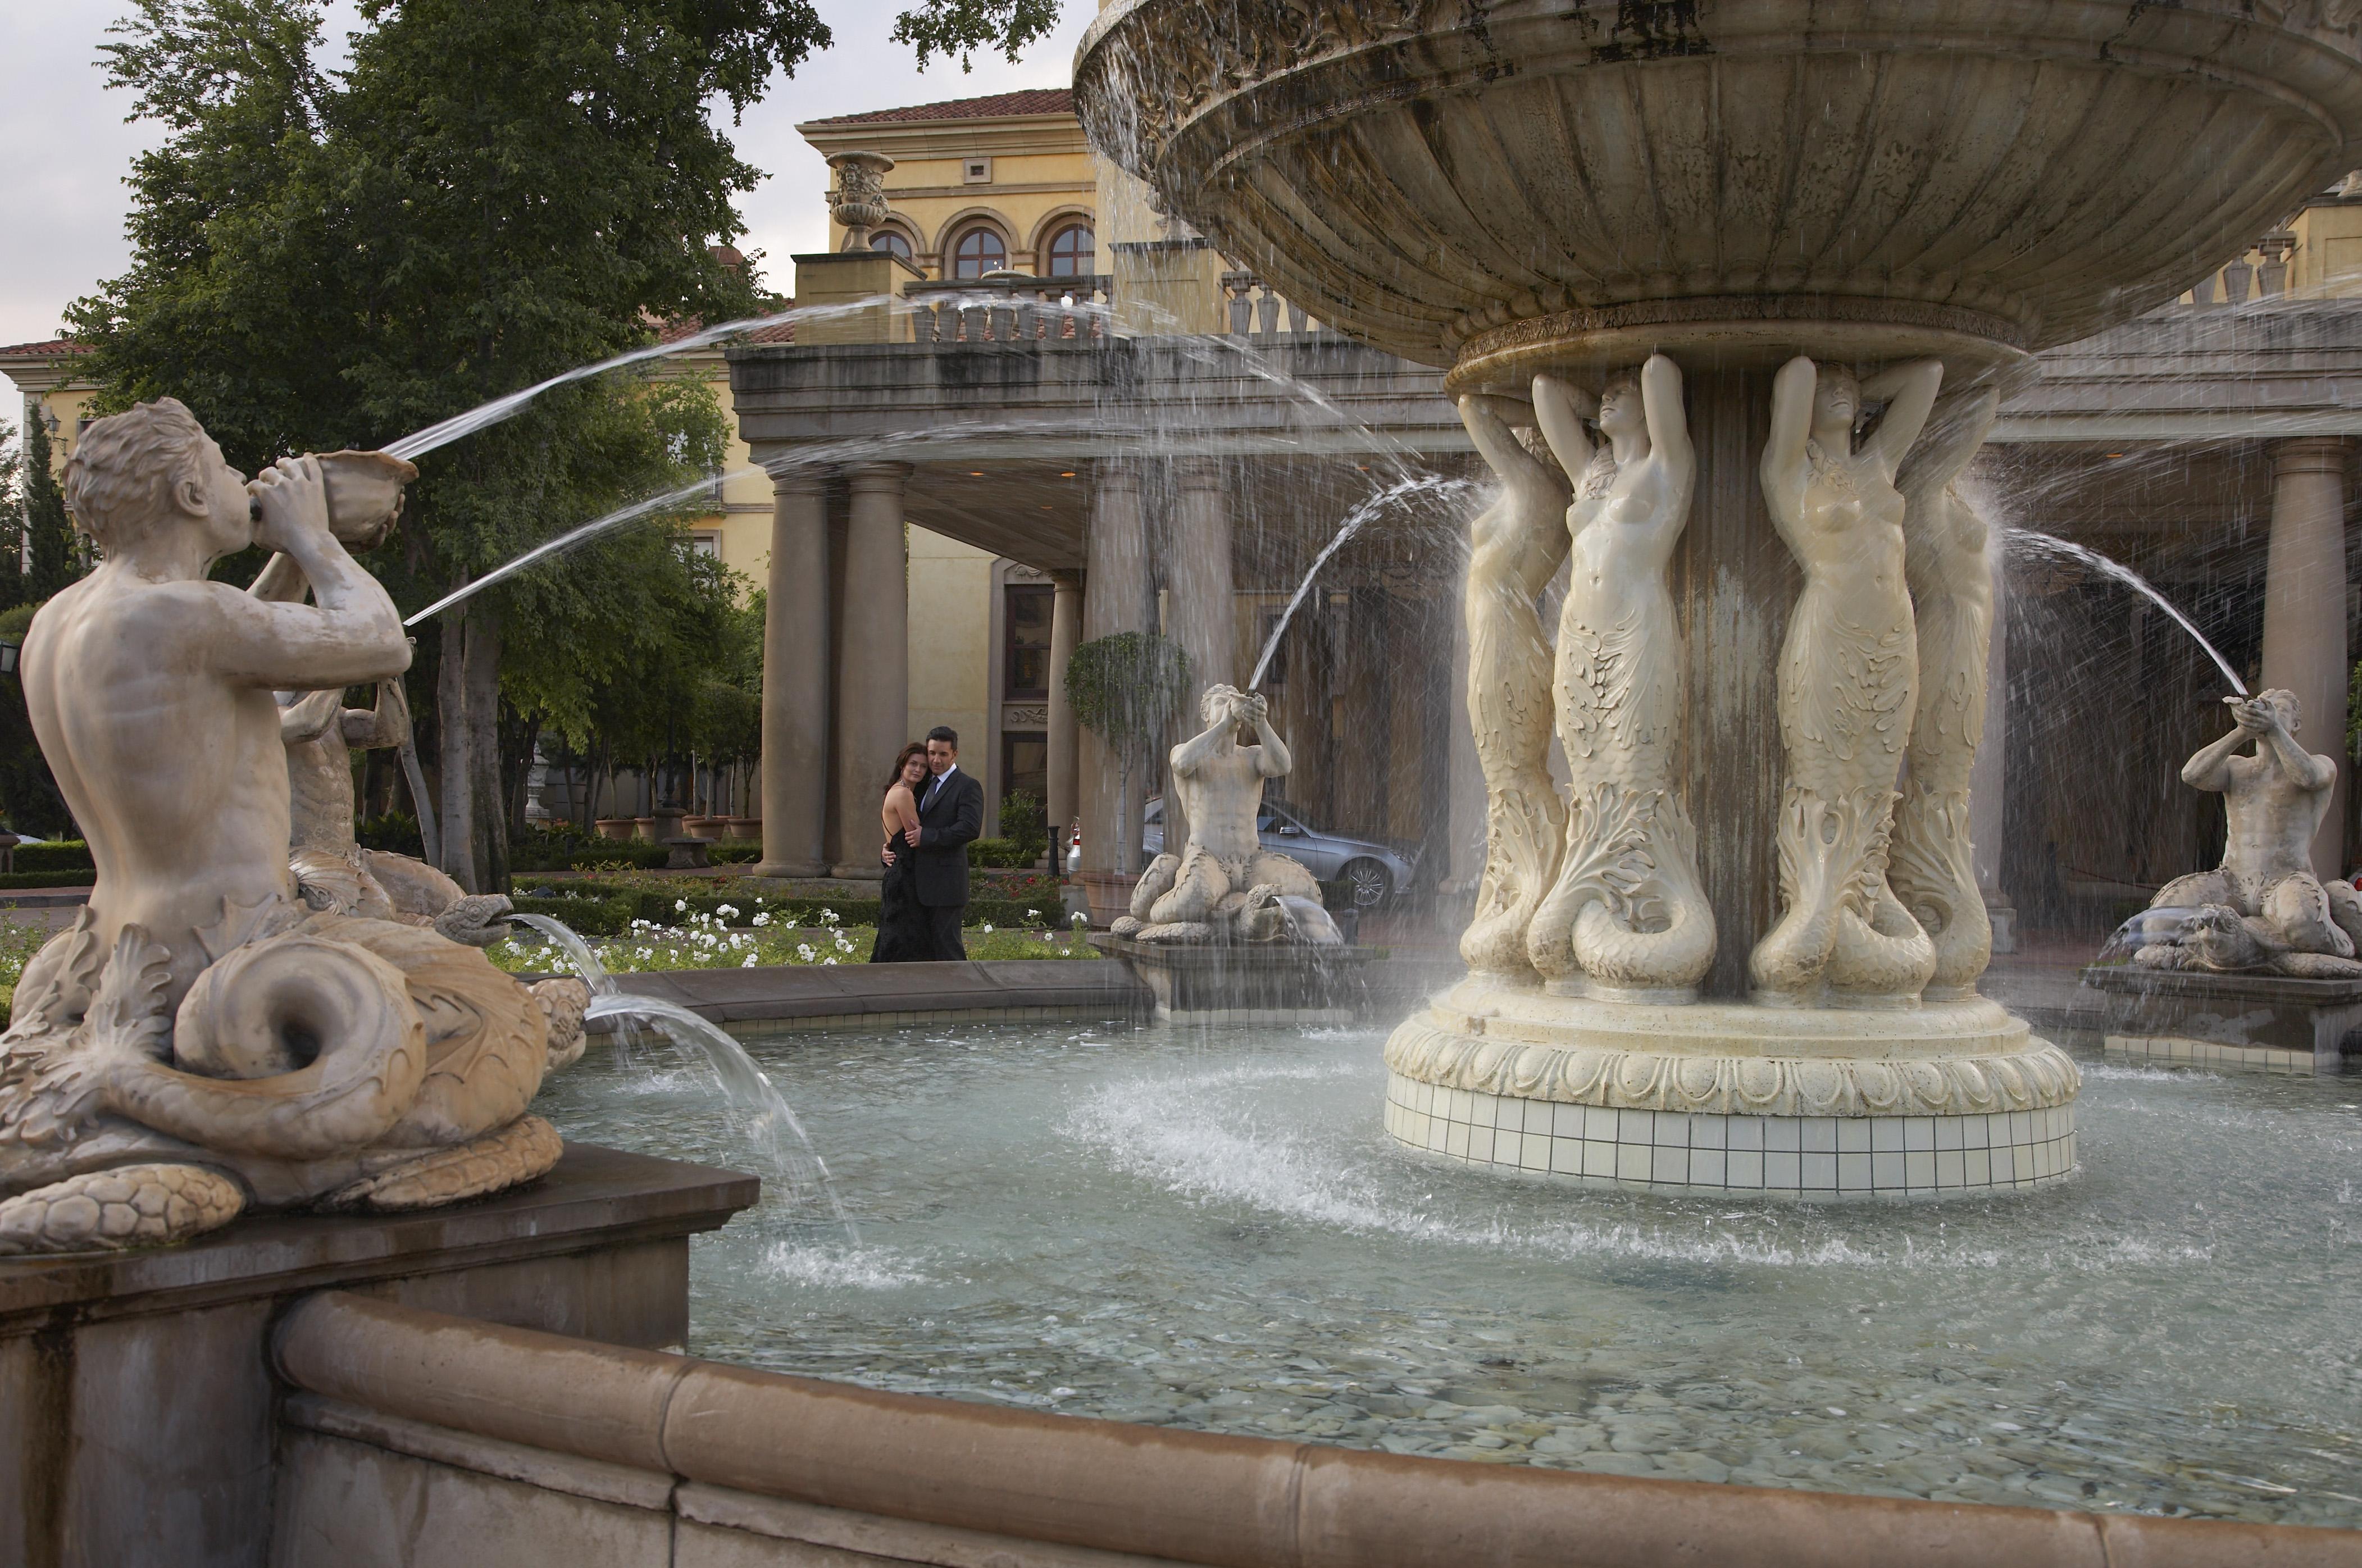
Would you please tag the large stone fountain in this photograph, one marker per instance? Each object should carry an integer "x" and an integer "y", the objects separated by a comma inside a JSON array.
[{"x": 1729, "y": 290}]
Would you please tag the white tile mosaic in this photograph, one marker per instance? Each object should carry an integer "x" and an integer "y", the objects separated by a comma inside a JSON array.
[
  {"x": 1824, "y": 1157},
  {"x": 2206, "y": 1054}
]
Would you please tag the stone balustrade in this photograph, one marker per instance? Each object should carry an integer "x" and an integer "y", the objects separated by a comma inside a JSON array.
[{"x": 1011, "y": 309}]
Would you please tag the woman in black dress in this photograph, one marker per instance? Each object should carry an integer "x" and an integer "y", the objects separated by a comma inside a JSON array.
[{"x": 902, "y": 932}]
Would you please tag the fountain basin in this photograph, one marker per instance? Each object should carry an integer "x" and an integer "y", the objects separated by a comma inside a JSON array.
[
  {"x": 1205, "y": 1227},
  {"x": 1246, "y": 982},
  {"x": 1462, "y": 186}
]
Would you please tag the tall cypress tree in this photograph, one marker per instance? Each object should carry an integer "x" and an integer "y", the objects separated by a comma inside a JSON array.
[
  {"x": 48, "y": 536},
  {"x": 12, "y": 523}
]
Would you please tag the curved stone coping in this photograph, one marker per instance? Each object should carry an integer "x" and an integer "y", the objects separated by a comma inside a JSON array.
[
  {"x": 1968, "y": 1058},
  {"x": 1099, "y": 988},
  {"x": 1042, "y": 1483}
]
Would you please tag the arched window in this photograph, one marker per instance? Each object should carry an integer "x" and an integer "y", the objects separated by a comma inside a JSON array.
[
  {"x": 1070, "y": 251},
  {"x": 979, "y": 251},
  {"x": 891, "y": 241}
]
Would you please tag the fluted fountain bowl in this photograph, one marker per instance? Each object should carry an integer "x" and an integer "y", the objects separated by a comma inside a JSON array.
[{"x": 1495, "y": 186}]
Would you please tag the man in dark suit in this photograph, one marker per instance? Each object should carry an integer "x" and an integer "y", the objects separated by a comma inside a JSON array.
[{"x": 951, "y": 814}]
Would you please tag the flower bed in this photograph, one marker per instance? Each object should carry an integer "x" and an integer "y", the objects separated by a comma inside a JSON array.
[{"x": 698, "y": 939}]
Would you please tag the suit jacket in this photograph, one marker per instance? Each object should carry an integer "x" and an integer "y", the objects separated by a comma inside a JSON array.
[{"x": 947, "y": 824}]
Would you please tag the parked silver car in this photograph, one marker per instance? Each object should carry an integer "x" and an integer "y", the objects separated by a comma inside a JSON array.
[{"x": 1375, "y": 871}]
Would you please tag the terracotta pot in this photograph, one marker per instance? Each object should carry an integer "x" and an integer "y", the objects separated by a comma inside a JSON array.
[
  {"x": 613, "y": 827},
  {"x": 1110, "y": 893},
  {"x": 645, "y": 827},
  {"x": 705, "y": 827},
  {"x": 749, "y": 828}
]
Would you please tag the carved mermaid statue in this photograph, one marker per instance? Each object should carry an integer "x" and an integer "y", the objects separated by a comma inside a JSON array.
[
  {"x": 1625, "y": 912},
  {"x": 1514, "y": 547},
  {"x": 1945, "y": 561},
  {"x": 1849, "y": 676},
  {"x": 199, "y": 1042}
]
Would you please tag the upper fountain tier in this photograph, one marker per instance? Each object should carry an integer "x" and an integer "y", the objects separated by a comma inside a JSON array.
[{"x": 1533, "y": 181}]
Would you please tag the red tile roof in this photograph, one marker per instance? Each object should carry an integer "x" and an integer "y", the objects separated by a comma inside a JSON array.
[
  {"x": 1032, "y": 101},
  {"x": 46, "y": 346},
  {"x": 777, "y": 332}
]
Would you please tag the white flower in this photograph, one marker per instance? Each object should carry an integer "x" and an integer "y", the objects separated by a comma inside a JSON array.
[
  {"x": 828, "y": 917},
  {"x": 679, "y": 906},
  {"x": 725, "y": 911},
  {"x": 762, "y": 918},
  {"x": 987, "y": 930},
  {"x": 804, "y": 952},
  {"x": 1032, "y": 914},
  {"x": 1082, "y": 919},
  {"x": 749, "y": 963},
  {"x": 828, "y": 961}
]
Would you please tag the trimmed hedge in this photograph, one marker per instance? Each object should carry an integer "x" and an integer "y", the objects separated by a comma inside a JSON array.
[
  {"x": 620, "y": 855},
  {"x": 30, "y": 879},
  {"x": 72, "y": 854}
]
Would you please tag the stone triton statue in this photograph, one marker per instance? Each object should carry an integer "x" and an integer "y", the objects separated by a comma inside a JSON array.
[
  {"x": 1949, "y": 569},
  {"x": 1515, "y": 547},
  {"x": 1224, "y": 886},
  {"x": 333, "y": 872},
  {"x": 199, "y": 1043},
  {"x": 1848, "y": 679},
  {"x": 1626, "y": 914},
  {"x": 2263, "y": 909}
]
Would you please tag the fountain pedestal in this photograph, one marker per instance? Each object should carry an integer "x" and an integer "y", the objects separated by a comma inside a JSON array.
[
  {"x": 1280, "y": 982},
  {"x": 2265, "y": 1022},
  {"x": 137, "y": 1397}
]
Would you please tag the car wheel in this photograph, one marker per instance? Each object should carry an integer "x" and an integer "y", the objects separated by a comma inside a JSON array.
[{"x": 1369, "y": 881}]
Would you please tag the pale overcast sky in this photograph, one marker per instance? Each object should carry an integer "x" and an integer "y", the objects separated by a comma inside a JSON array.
[{"x": 67, "y": 148}]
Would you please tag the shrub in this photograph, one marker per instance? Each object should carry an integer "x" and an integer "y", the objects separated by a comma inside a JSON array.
[
  {"x": 396, "y": 833},
  {"x": 72, "y": 854},
  {"x": 1025, "y": 823}
]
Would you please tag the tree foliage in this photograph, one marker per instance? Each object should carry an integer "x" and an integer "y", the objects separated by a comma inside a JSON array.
[
  {"x": 50, "y": 552},
  {"x": 1125, "y": 689},
  {"x": 960, "y": 28},
  {"x": 490, "y": 192}
]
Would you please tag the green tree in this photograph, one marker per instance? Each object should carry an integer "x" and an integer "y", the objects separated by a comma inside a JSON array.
[
  {"x": 50, "y": 557},
  {"x": 12, "y": 520},
  {"x": 492, "y": 192}
]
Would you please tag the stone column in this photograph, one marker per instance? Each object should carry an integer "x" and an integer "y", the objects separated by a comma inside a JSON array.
[
  {"x": 1065, "y": 636},
  {"x": 2304, "y": 610},
  {"x": 1115, "y": 599},
  {"x": 795, "y": 679},
  {"x": 873, "y": 671},
  {"x": 1989, "y": 780},
  {"x": 1202, "y": 608}
]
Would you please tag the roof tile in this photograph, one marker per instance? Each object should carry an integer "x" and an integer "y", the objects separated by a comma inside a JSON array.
[{"x": 1032, "y": 101}]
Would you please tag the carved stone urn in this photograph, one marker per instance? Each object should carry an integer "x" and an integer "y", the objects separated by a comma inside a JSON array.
[{"x": 1729, "y": 291}]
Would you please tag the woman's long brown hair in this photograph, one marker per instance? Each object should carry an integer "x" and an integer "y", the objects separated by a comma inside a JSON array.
[{"x": 916, "y": 748}]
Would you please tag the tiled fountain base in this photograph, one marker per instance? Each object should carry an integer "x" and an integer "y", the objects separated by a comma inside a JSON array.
[
  {"x": 2212, "y": 1054},
  {"x": 1948, "y": 1097},
  {"x": 1802, "y": 1156}
]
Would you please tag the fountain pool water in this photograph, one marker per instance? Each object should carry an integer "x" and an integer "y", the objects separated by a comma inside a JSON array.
[{"x": 1210, "y": 1228}]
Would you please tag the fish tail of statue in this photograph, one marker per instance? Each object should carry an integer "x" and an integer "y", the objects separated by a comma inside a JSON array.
[
  {"x": 1662, "y": 939},
  {"x": 1933, "y": 873}
]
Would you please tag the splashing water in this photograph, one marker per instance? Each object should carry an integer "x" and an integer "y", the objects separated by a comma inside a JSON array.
[
  {"x": 573, "y": 536},
  {"x": 1353, "y": 524},
  {"x": 753, "y": 1105},
  {"x": 569, "y": 941},
  {"x": 2048, "y": 544},
  {"x": 443, "y": 432}
]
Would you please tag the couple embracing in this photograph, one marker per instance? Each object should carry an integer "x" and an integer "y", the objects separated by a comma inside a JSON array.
[{"x": 931, "y": 812}]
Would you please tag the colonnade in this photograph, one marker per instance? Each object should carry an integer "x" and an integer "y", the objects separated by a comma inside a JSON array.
[
  {"x": 836, "y": 661},
  {"x": 836, "y": 652}
]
